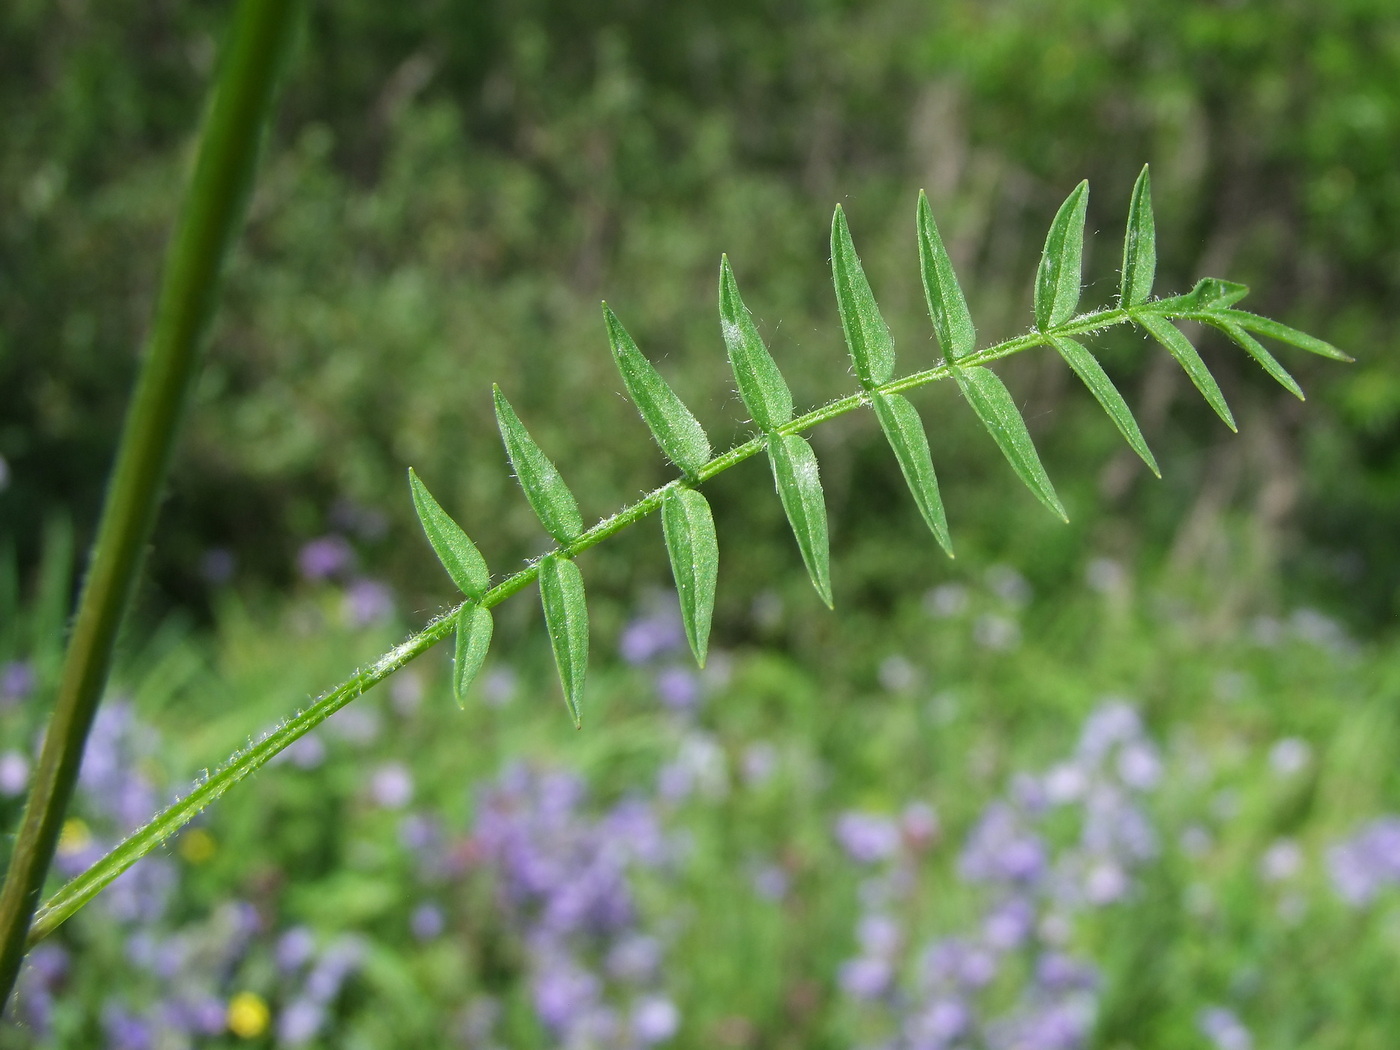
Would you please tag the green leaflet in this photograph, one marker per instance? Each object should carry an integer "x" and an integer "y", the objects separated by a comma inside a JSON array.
[
  {"x": 1180, "y": 348},
  {"x": 867, "y": 336},
  {"x": 689, "y": 529},
  {"x": 1251, "y": 346},
  {"x": 1275, "y": 330},
  {"x": 675, "y": 429},
  {"x": 761, "y": 385},
  {"x": 1057, "y": 281},
  {"x": 454, "y": 549},
  {"x": 1139, "y": 247},
  {"x": 946, "y": 306},
  {"x": 1087, "y": 368},
  {"x": 992, "y": 402},
  {"x": 474, "y": 626},
  {"x": 1210, "y": 293},
  {"x": 905, "y": 433},
  {"x": 566, "y": 619},
  {"x": 554, "y": 504},
  {"x": 800, "y": 488}
]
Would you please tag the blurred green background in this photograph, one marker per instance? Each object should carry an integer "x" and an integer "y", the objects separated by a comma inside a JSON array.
[
  {"x": 447, "y": 194},
  {"x": 450, "y": 189}
]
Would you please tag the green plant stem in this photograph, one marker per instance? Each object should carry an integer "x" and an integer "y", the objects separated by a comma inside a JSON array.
[
  {"x": 72, "y": 896},
  {"x": 212, "y": 215}
]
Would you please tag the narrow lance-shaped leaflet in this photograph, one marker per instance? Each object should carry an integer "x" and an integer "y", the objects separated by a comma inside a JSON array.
[
  {"x": 992, "y": 402},
  {"x": 867, "y": 335},
  {"x": 905, "y": 433},
  {"x": 761, "y": 385},
  {"x": 566, "y": 620},
  {"x": 1180, "y": 348},
  {"x": 1087, "y": 368},
  {"x": 800, "y": 489},
  {"x": 539, "y": 478},
  {"x": 689, "y": 528},
  {"x": 467, "y": 568},
  {"x": 674, "y": 427},
  {"x": 1252, "y": 347},
  {"x": 1139, "y": 246},
  {"x": 1057, "y": 281},
  {"x": 947, "y": 307}
]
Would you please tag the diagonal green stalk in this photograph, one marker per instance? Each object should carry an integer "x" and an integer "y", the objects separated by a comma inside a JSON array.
[
  {"x": 72, "y": 896},
  {"x": 213, "y": 212}
]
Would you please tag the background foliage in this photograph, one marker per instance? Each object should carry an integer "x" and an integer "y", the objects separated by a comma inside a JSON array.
[{"x": 449, "y": 192}]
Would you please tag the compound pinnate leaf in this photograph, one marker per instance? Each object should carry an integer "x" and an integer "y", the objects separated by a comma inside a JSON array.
[
  {"x": 761, "y": 385},
  {"x": 1139, "y": 246},
  {"x": 474, "y": 627},
  {"x": 947, "y": 307},
  {"x": 551, "y": 499},
  {"x": 689, "y": 528},
  {"x": 1087, "y": 368},
  {"x": 905, "y": 433},
  {"x": 566, "y": 619},
  {"x": 1180, "y": 348},
  {"x": 1057, "y": 281},
  {"x": 867, "y": 336},
  {"x": 1251, "y": 346},
  {"x": 453, "y": 547},
  {"x": 800, "y": 488},
  {"x": 1284, "y": 334},
  {"x": 674, "y": 427},
  {"x": 992, "y": 402}
]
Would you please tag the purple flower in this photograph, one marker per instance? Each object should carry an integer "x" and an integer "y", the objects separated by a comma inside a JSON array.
[
  {"x": 770, "y": 882},
  {"x": 655, "y": 634},
  {"x": 1057, "y": 973},
  {"x": 1001, "y": 850},
  {"x": 125, "y": 1030},
  {"x": 294, "y": 949},
  {"x": 938, "y": 1024},
  {"x": 654, "y": 1020},
  {"x": 427, "y": 922},
  {"x": 14, "y": 774},
  {"x": 563, "y": 992},
  {"x": 1009, "y": 925},
  {"x": 1370, "y": 860},
  {"x": 1115, "y": 722},
  {"x": 17, "y": 682},
  {"x": 1289, "y": 756},
  {"x": 391, "y": 785},
  {"x": 678, "y": 688},
  {"x": 300, "y": 1022},
  {"x": 324, "y": 557},
  {"x": 867, "y": 837},
  {"x": 635, "y": 958},
  {"x": 1224, "y": 1029},
  {"x": 366, "y": 602},
  {"x": 866, "y": 978}
]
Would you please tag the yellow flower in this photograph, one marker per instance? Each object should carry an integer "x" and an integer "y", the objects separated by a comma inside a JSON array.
[
  {"x": 197, "y": 846},
  {"x": 74, "y": 838},
  {"x": 248, "y": 1015}
]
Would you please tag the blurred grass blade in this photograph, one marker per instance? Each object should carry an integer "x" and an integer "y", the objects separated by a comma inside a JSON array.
[
  {"x": 554, "y": 504},
  {"x": 234, "y": 124},
  {"x": 761, "y": 385},
  {"x": 675, "y": 429},
  {"x": 1057, "y": 281},
  {"x": 689, "y": 528},
  {"x": 800, "y": 488},
  {"x": 1139, "y": 247},
  {"x": 946, "y": 306},
  {"x": 1087, "y": 368},
  {"x": 474, "y": 627},
  {"x": 1276, "y": 330},
  {"x": 566, "y": 618},
  {"x": 905, "y": 433},
  {"x": 992, "y": 402},
  {"x": 453, "y": 547},
  {"x": 1252, "y": 347},
  {"x": 1180, "y": 348},
  {"x": 867, "y": 336}
]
